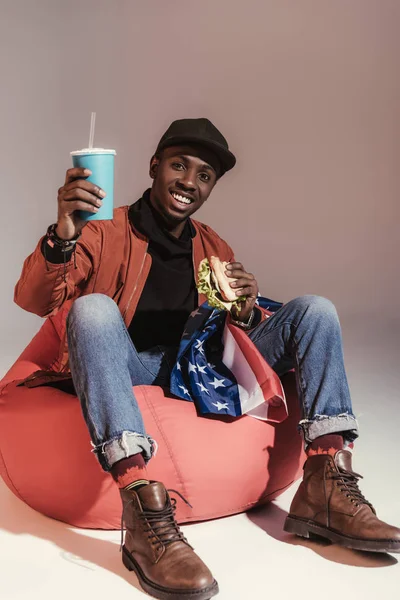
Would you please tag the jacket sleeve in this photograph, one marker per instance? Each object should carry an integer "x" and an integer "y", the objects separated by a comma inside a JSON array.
[{"x": 43, "y": 287}]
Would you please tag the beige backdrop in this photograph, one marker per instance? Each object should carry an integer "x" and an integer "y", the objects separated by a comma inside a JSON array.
[{"x": 306, "y": 91}]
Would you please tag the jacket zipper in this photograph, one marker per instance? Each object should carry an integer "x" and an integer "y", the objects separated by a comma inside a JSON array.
[
  {"x": 195, "y": 276},
  {"x": 137, "y": 281}
]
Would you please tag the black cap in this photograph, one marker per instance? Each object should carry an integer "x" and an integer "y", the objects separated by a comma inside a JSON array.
[{"x": 199, "y": 131}]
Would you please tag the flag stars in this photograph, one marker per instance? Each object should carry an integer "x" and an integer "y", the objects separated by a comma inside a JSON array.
[
  {"x": 217, "y": 383},
  {"x": 203, "y": 388},
  {"x": 220, "y": 405},
  {"x": 184, "y": 390},
  {"x": 199, "y": 346}
]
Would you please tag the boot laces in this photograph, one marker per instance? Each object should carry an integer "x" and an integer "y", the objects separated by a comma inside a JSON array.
[
  {"x": 157, "y": 531},
  {"x": 347, "y": 481}
]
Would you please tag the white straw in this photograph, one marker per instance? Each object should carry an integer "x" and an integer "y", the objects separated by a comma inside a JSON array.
[{"x": 92, "y": 124}]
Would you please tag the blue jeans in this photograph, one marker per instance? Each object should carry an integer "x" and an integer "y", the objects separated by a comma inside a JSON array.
[{"x": 304, "y": 334}]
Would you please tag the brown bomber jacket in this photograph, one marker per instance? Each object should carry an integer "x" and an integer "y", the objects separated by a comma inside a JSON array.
[{"x": 111, "y": 259}]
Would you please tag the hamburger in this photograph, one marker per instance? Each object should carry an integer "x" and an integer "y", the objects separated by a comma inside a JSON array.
[{"x": 215, "y": 285}]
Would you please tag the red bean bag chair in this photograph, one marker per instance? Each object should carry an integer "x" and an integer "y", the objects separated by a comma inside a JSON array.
[{"x": 219, "y": 464}]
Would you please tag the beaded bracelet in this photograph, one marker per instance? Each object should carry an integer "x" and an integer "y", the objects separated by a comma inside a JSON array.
[
  {"x": 65, "y": 245},
  {"x": 52, "y": 239}
]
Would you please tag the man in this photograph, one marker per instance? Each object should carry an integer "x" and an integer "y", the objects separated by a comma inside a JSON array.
[{"x": 124, "y": 329}]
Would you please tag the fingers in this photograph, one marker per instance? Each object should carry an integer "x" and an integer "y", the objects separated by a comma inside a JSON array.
[
  {"x": 242, "y": 282},
  {"x": 234, "y": 266},
  {"x": 237, "y": 271},
  {"x": 72, "y": 206},
  {"x": 247, "y": 291},
  {"x": 245, "y": 284},
  {"x": 78, "y": 195},
  {"x": 246, "y": 281},
  {"x": 84, "y": 185},
  {"x": 76, "y": 173}
]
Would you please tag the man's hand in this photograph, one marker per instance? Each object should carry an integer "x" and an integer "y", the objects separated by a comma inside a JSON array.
[
  {"x": 76, "y": 194},
  {"x": 245, "y": 285}
]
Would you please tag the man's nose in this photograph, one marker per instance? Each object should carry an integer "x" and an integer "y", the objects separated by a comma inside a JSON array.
[{"x": 187, "y": 179}]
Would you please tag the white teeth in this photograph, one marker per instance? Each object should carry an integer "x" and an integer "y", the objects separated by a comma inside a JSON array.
[{"x": 181, "y": 198}]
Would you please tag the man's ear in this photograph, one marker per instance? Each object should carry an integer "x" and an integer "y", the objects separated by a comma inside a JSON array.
[{"x": 154, "y": 162}]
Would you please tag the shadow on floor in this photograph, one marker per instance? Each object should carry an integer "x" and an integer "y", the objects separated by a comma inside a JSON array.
[
  {"x": 271, "y": 518},
  {"x": 90, "y": 552},
  {"x": 82, "y": 550}
]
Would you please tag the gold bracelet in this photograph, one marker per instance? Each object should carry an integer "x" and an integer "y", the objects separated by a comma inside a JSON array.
[{"x": 242, "y": 324}]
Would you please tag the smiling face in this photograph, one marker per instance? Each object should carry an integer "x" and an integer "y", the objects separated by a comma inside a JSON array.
[{"x": 184, "y": 177}]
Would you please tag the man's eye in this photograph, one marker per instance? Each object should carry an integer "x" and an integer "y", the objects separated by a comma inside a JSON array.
[
  {"x": 178, "y": 166},
  {"x": 204, "y": 177}
]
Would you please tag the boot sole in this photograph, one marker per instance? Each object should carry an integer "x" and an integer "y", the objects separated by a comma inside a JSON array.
[
  {"x": 164, "y": 593},
  {"x": 305, "y": 528}
]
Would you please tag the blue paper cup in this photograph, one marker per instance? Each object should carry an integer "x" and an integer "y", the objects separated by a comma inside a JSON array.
[{"x": 101, "y": 163}]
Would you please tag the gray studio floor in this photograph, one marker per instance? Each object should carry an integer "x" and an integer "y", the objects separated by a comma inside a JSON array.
[{"x": 249, "y": 554}]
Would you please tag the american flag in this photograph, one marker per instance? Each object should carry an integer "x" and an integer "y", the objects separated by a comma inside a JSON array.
[{"x": 222, "y": 372}]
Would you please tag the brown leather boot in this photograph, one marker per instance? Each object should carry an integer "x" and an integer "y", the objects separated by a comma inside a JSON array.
[
  {"x": 156, "y": 549},
  {"x": 330, "y": 504}
]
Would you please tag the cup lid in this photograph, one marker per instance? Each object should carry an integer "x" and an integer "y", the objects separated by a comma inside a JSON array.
[{"x": 93, "y": 151}]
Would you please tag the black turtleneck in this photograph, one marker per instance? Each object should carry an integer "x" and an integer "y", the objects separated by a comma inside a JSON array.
[{"x": 169, "y": 294}]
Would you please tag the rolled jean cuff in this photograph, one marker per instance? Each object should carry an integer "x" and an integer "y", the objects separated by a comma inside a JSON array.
[
  {"x": 344, "y": 423},
  {"x": 126, "y": 444}
]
